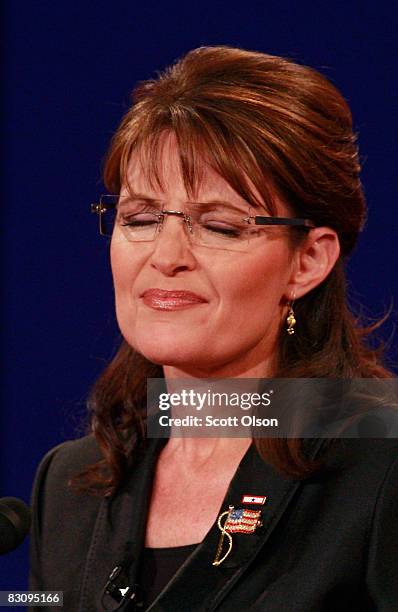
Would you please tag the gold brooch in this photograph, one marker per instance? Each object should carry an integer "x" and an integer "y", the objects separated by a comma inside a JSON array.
[{"x": 239, "y": 520}]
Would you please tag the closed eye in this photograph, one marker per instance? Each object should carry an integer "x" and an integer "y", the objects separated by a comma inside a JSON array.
[
  {"x": 138, "y": 220},
  {"x": 225, "y": 230}
]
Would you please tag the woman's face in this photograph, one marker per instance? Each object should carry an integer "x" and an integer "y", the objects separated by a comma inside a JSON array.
[{"x": 231, "y": 329}]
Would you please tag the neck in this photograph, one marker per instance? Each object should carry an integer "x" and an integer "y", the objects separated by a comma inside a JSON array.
[
  {"x": 199, "y": 449},
  {"x": 245, "y": 368},
  {"x": 199, "y": 452}
]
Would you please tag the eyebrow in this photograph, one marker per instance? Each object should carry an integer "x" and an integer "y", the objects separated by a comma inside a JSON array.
[{"x": 212, "y": 202}]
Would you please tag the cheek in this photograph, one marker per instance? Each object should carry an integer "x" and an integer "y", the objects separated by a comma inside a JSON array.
[
  {"x": 124, "y": 264},
  {"x": 125, "y": 269},
  {"x": 253, "y": 285},
  {"x": 118, "y": 267}
]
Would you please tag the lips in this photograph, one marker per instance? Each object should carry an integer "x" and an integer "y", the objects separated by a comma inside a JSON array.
[{"x": 161, "y": 299}]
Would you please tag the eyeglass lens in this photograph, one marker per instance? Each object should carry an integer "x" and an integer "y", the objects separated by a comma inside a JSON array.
[{"x": 212, "y": 225}]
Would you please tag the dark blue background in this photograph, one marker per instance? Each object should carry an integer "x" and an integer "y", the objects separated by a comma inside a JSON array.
[{"x": 69, "y": 69}]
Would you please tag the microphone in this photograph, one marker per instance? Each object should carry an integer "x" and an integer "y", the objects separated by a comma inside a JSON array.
[
  {"x": 117, "y": 587},
  {"x": 15, "y": 518}
]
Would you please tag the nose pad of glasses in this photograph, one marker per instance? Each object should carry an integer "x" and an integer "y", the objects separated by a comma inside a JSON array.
[
  {"x": 186, "y": 219},
  {"x": 188, "y": 223}
]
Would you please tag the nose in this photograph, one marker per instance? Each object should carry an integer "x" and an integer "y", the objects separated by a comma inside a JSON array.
[{"x": 172, "y": 252}]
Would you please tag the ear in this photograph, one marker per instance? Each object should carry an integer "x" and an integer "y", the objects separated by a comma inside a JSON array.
[{"x": 312, "y": 261}]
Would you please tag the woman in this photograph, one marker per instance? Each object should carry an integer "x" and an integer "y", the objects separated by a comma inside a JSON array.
[{"x": 220, "y": 143}]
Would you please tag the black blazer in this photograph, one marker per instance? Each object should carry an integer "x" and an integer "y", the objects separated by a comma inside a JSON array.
[{"x": 328, "y": 544}]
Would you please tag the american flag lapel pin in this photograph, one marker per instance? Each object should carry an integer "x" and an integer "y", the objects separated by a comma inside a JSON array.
[{"x": 239, "y": 520}]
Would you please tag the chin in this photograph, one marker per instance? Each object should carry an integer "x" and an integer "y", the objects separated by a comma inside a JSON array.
[{"x": 173, "y": 350}]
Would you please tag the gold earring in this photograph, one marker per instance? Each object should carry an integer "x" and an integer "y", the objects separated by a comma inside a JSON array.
[{"x": 290, "y": 320}]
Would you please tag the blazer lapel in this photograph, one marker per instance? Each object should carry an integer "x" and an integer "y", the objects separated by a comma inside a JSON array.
[
  {"x": 209, "y": 584},
  {"x": 119, "y": 532}
]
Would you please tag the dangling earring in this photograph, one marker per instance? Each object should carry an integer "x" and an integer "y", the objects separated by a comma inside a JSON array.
[{"x": 290, "y": 320}]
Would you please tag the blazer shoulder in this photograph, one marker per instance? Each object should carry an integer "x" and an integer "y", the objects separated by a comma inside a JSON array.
[
  {"x": 59, "y": 465},
  {"x": 72, "y": 456},
  {"x": 67, "y": 459},
  {"x": 365, "y": 460}
]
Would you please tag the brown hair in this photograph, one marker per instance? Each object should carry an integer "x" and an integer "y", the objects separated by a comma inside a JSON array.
[{"x": 281, "y": 124}]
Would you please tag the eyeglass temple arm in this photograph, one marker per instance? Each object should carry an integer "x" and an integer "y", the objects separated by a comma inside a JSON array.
[{"x": 260, "y": 220}]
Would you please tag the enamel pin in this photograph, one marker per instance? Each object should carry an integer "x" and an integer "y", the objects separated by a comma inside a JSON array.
[
  {"x": 239, "y": 520},
  {"x": 253, "y": 499}
]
